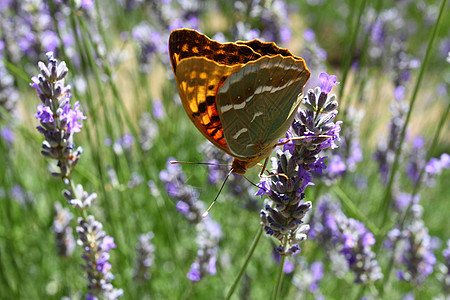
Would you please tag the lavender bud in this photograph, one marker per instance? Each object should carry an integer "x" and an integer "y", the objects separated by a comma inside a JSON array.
[
  {"x": 322, "y": 100},
  {"x": 330, "y": 106},
  {"x": 44, "y": 70},
  {"x": 312, "y": 99}
]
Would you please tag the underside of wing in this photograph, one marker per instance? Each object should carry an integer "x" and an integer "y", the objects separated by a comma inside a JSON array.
[
  {"x": 258, "y": 103},
  {"x": 198, "y": 81},
  {"x": 242, "y": 96}
]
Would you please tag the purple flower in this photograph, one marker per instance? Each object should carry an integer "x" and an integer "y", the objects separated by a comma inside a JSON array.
[
  {"x": 264, "y": 188},
  {"x": 65, "y": 242},
  {"x": 44, "y": 113},
  {"x": 103, "y": 266},
  {"x": 90, "y": 297},
  {"x": 208, "y": 237},
  {"x": 444, "y": 275},
  {"x": 194, "y": 272},
  {"x": 26, "y": 42},
  {"x": 334, "y": 132},
  {"x": 4, "y": 5},
  {"x": 49, "y": 40},
  {"x": 285, "y": 214},
  {"x": 187, "y": 198},
  {"x": 304, "y": 175},
  {"x": 123, "y": 144},
  {"x": 108, "y": 243},
  {"x": 309, "y": 35},
  {"x": 308, "y": 277},
  {"x": 87, "y": 4},
  {"x": 145, "y": 256},
  {"x": 158, "y": 109},
  {"x": 96, "y": 245},
  {"x": 215, "y": 173},
  {"x": 416, "y": 160},
  {"x": 327, "y": 81},
  {"x": 386, "y": 149},
  {"x": 318, "y": 165},
  {"x": 317, "y": 274},
  {"x": 181, "y": 206},
  {"x": 377, "y": 32},
  {"x": 72, "y": 117},
  {"x": 288, "y": 267},
  {"x": 399, "y": 93},
  {"x": 148, "y": 131},
  {"x": 403, "y": 200},
  {"x": 9, "y": 94},
  {"x": 436, "y": 165},
  {"x": 150, "y": 42},
  {"x": 346, "y": 238},
  {"x": 7, "y": 134},
  {"x": 58, "y": 121},
  {"x": 414, "y": 248},
  {"x": 336, "y": 166}
]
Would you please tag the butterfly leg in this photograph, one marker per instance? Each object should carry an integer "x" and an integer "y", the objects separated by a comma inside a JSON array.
[
  {"x": 264, "y": 167},
  {"x": 304, "y": 138}
]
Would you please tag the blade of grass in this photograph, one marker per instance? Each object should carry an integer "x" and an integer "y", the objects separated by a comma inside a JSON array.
[{"x": 387, "y": 195}]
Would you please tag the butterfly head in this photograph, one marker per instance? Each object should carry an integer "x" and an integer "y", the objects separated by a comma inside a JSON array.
[{"x": 239, "y": 166}]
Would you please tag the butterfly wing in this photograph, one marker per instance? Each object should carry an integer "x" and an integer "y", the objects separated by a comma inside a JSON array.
[
  {"x": 198, "y": 81},
  {"x": 201, "y": 66},
  {"x": 258, "y": 103},
  {"x": 241, "y": 96},
  {"x": 185, "y": 43}
]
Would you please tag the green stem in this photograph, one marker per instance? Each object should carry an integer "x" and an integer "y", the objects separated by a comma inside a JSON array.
[
  {"x": 361, "y": 291},
  {"x": 247, "y": 259},
  {"x": 415, "y": 191},
  {"x": 360, "y": 76},
  {"x": 347, "y": 60},
  {"x": 353, "y": 209},
  {"x": 276, "y": 291},
  {"x": 387, "y": 196}
]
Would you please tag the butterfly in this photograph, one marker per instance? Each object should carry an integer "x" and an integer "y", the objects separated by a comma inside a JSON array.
[{"x": 241, "y": 96}]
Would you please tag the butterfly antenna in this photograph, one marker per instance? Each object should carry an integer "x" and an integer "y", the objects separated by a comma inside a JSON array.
[
  {"x": 252, "y": 183},
  {"x": 259, "y": 187},
  {"x": 173, "y": 162},
  {"x": 217, "y": 196}
]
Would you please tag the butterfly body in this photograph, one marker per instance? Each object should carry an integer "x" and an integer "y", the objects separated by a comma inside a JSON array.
[{"x": 241, "y": 96}]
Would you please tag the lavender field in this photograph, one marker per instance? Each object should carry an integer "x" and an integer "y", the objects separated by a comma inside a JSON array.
[{"x": 354, "y": 202}]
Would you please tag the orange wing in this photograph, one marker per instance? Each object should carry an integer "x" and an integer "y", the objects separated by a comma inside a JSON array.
[
  {"x": 198, "y": 81},
  {"x": 201, "y": 66}
]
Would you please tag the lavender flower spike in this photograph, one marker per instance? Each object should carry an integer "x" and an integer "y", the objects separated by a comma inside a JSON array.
[
  {"x": 96, "y": 245},
  {"x": 145, "y": 256},
  {"x": 444, "y": 268},
  {"x": 283, "y": 215},
  {"x": 414, "y": 252},
  {"x": 346, "y": 242},
  {"x": 209, "y": 234},
  {"x": 59, "y": 121},
  {"x": 65, "y": 243},
  {"x": 58, "y": 124}
]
